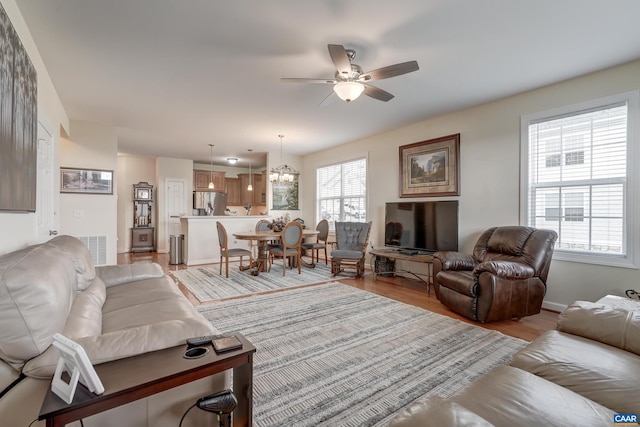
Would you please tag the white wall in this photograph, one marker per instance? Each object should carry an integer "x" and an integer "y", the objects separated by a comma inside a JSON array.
[
  {"x": 91, "y": 146},
  {"x": 19, "y": 229},
  {"x": 489, "y": 160},
  {"x": 132, "y": 170}
]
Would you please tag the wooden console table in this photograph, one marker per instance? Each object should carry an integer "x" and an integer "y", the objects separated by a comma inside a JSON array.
[
  {"x": 137, "y": 377},
  {"x": 381, "y": 257}
]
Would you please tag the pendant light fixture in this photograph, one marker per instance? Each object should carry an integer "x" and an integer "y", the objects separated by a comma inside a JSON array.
[
  {"x": 211, "y": 186},
  {"x": 250, "y": 186},
  {"x": 283, "y": 173}
]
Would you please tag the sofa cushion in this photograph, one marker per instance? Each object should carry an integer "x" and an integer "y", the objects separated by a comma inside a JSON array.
[
  {"x": 37, "y": 289},
  {"x": 507, "y": 396},
  {"x": 142, "y": 316},
  {"x": 436, "y": 411},
  {"x": 602, "y": 373},
  {"x": 618, "y": 327},
  {"x": 79, "y": 255},
  {"x": 85, "y": 319}
]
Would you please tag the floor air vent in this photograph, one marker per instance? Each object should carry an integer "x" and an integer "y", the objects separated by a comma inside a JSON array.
[{"x": 97, "y": 247}]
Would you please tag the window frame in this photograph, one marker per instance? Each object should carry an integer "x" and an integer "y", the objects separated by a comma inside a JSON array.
[
  {"x": 318, "y": 199},
  {"x": 630, "y": 239}
]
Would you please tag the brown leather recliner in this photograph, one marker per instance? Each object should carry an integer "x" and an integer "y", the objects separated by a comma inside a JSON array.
[{"x": 505, "y": 278}]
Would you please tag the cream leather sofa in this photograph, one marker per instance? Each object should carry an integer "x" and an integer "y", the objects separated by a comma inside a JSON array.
[
  {"x": 580, "y": 374},
  {"x": 112, "y": 311}
]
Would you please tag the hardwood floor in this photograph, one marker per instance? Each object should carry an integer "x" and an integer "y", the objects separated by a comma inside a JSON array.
[{"x": 400, "y": 289}]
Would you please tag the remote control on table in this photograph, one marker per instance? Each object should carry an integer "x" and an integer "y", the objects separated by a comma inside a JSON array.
[{"x": 198, "y": 341}]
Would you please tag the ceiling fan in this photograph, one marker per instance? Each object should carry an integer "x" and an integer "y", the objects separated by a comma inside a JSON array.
[{"x": 350, "y": 82}]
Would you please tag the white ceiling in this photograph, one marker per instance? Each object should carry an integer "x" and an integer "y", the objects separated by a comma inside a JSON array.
[{"x": 175, "y": 76}]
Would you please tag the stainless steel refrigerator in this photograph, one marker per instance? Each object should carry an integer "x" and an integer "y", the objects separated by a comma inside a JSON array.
[{"x": 210, "y": 202}]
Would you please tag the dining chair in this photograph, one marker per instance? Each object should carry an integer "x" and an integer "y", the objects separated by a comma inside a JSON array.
[
  {"x": 321, "y": 241},
  {"x": 227, "y": 253},
  {"x": 291, "y": 238},
  {"x": 265, "y": 225}
]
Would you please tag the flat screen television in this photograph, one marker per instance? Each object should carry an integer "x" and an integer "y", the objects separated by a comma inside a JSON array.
[{"x": 421, "y": 227}]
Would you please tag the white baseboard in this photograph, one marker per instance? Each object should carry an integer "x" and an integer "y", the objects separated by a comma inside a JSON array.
[{"x": 554, "y": 306}]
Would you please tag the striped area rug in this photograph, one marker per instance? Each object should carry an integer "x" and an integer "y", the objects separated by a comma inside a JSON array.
[
  {"x": 333, "y": 355},
  {"x": 207, "y": 284}
]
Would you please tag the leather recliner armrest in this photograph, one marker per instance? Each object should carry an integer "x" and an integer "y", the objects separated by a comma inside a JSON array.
[
  {"x": 613, "y": 326},
  {"x": 455, "y": 260},
  {"x": 505, "y": 269}
]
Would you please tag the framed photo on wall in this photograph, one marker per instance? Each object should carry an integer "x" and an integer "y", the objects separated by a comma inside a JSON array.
[
  {"x": 86, "y": 181},
  {"x": 431, "y": 168}
]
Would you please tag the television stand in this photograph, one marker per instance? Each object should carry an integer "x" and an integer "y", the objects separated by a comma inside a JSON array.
[
  {"x": 383, "y": 262},
  {"x": 408, "y": 251}
]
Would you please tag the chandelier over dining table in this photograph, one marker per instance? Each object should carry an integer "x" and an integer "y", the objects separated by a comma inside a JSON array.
[{"x": 283, "y": 173}]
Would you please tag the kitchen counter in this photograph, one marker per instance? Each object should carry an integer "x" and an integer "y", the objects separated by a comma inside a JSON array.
[{"x": 201, "y": 235}]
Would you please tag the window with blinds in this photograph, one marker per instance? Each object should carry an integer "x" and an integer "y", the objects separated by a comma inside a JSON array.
[
  {"x": 342, "y": 192},
  {"x": 578, "y": 179}
]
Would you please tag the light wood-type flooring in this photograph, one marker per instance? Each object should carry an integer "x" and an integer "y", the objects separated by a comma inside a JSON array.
[{"x": 406, "y": 290}]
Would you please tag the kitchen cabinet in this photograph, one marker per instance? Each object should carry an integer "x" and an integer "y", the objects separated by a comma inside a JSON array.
[
  {"x": 201, "y": 179},
  {"x": 234, "y": 191},
  {"x": 246, "y": 195},
  {"x": 257, "y": 197},
  {"x": 259, "y": 189}
]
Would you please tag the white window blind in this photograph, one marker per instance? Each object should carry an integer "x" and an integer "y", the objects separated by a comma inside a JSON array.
[
  {"x": 578, "y": 180},
  {"x": 342, "y": 192}
]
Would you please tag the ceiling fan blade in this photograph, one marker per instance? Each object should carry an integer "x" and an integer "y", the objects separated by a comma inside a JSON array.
[
  {"x": 377, "y": 93},
  {"x": 340, "y": 59},
  {"x": 390, "y": 71},
  {"x": 330, "y": 99},
  {"x": 294, "y": 80}
]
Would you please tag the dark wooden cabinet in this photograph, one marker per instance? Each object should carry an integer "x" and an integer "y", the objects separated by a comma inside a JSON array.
[
  {"x": 201, "y": 179},
  {"x": 259, "y": 189},
  {"x": 257, "y": 197},
  {"x": 234, "y": 191}
]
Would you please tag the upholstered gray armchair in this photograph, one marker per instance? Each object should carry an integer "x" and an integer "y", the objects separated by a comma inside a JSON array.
[
  {"x": 350, "y": 246},
  {"x": 504, "y": 278}
]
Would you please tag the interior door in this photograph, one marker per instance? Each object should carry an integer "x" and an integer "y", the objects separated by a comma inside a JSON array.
[
  {"x": 176, "y": 206},
  {"x": 45, "y": 208}
]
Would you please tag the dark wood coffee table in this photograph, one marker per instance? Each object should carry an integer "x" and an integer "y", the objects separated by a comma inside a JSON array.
[{"x": 137, "y": 377}]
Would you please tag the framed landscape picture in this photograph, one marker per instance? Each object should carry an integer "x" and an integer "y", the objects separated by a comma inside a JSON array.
[
  {"x": 430, "y": 168},
  {"x": 284, "y": 195},
  {"x": 86, "y": 181}
]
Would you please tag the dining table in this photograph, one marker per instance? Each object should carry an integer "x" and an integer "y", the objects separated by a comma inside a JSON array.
[{"x": 263, "y": 238}]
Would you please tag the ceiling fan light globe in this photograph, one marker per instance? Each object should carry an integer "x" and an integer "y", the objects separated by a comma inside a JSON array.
[{"x": 348, "y": 91}]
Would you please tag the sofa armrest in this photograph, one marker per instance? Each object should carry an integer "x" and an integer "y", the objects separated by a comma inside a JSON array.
[
  {"x": 436, "y": 411},
  {"x": 113, "y": 275},
  {"x": 617, "y": 327},
  {"x": 453, "y": 261},
  {"x": 506, "y": 269}
]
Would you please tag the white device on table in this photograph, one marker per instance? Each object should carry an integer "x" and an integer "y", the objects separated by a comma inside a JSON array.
[{"x": 74, "y": 360}]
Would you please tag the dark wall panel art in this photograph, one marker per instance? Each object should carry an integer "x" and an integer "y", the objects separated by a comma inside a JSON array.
[{"x": 18, "y": 122}]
